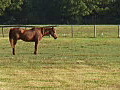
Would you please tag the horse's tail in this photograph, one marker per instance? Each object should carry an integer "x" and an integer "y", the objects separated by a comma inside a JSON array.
[{"x": 11, "y": 37}]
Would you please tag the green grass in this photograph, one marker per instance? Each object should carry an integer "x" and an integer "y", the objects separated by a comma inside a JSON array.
[{"x": 63, "y": 64}]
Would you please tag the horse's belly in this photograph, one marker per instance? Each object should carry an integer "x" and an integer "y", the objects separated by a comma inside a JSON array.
[{"x": 28, "y": 38}]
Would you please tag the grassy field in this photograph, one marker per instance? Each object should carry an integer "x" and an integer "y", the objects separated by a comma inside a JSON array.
[{"x": 63, "y": 64}]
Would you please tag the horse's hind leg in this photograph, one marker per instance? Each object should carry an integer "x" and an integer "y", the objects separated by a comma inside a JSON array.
[{"x": 13, "y": 43}]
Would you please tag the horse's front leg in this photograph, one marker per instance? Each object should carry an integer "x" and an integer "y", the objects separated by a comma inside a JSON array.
[
  {"x": 36, "y": 46},
  {"x": 13, "y": 51}
]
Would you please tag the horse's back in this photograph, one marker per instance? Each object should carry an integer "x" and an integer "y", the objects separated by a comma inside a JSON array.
[{"x": 25, "y": 35}]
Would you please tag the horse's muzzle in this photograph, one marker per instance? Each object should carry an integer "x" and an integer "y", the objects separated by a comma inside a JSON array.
[{"x": 55, "y": 38}]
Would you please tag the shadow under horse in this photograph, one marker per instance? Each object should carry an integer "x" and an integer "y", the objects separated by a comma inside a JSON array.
[{"x": 32, "y": 35}]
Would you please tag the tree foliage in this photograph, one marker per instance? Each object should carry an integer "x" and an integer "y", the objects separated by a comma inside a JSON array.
[
  {"x": 3, "y": 5},
  {"x": 11, "y": 4},
  {"x": 59, "y": 11}
]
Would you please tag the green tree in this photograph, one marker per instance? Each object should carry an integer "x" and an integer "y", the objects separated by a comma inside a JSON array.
[
  {"x": 3, "y": 5},
  {"x": 58, "y": 11},
  {"x": 98, "y": 10},
  {"x": 72, "y": 10},
  {"x": 9, "y": 9},
  {"x": 114, "y": 15}
]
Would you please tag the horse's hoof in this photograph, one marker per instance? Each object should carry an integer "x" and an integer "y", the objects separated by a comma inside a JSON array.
[{"x": 35, "y": 53}]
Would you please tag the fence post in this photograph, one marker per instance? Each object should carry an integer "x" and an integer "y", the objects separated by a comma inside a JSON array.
[
  {"x": 72, "y": 31},
  {"x": 94, "y": 31},
  {"x": 118, "y": 31},
  {"x": 3, "y": 31}
]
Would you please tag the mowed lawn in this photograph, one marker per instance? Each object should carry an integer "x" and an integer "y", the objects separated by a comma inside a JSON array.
[{"x": 63, "y": 64}]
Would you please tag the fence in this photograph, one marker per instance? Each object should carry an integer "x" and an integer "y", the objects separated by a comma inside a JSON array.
[
  {"x": 76, "y": 31},
  {"x": 5, "y": 29},
  {"x": 89, "y": 31}
]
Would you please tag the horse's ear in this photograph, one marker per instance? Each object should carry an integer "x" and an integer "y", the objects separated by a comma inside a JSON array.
[{"x": 42, "y": 31}]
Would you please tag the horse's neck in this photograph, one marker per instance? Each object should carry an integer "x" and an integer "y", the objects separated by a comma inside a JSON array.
[
  {"x": 45, "y": 32},
  {"x": 42, "y": 31}
]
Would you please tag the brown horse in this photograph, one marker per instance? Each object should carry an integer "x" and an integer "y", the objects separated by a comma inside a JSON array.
[{"x": 32, "y": 35}]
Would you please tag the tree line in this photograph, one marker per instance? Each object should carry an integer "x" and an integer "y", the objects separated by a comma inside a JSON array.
[{"x": 59, "y": 11}]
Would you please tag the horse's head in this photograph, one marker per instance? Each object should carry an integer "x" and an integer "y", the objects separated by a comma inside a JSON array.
[
  {"x": 49, "y": 31},
  {"x": 53, "y": 33}
]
